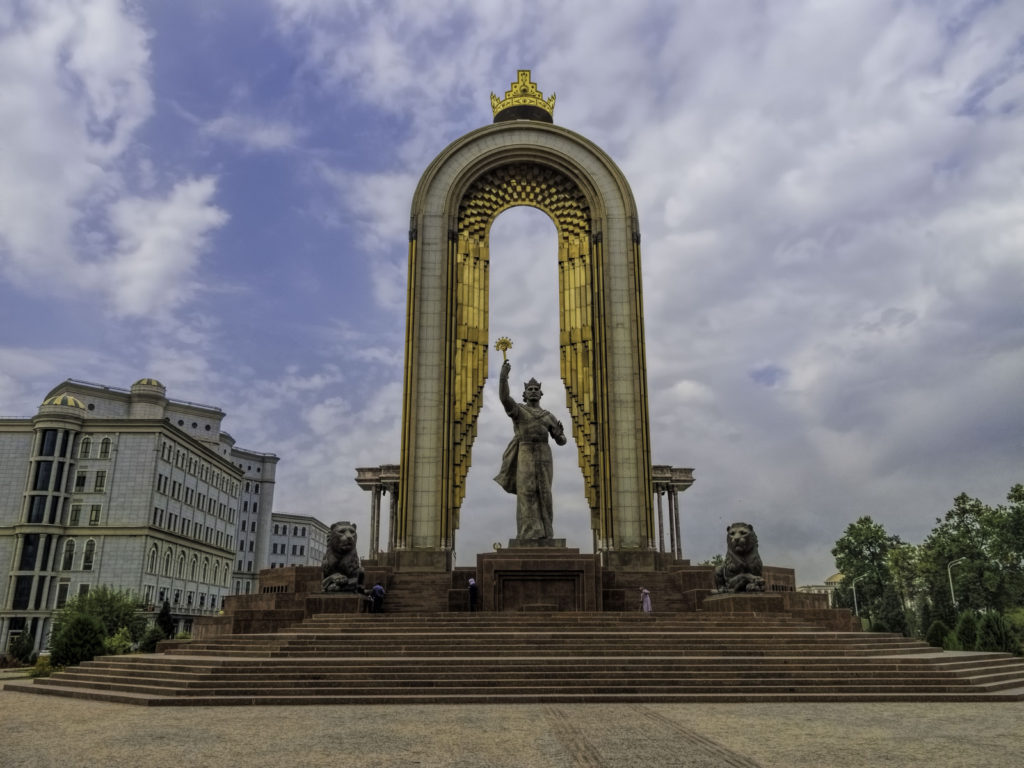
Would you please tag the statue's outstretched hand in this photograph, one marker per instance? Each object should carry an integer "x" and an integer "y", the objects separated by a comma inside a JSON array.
[{"x": 505, "y": 368}]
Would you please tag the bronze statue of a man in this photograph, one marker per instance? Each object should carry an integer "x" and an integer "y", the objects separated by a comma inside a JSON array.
[{"x": 526, "y": 467}]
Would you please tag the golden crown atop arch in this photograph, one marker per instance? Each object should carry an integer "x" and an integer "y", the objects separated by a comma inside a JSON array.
[{"x": 523, "y": 92}]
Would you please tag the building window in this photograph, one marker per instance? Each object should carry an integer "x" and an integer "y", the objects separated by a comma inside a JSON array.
[
  {"x": 69, "y": 555},
  {"x": 147, "y": 594},
  {"x": 206, "y": 564},
  {"x": 87, "y": 556},
  {"x": 105, "y": 448},
  {"x": 85, "y": 448},
  {"x": 83, "y": 589},
  {"x": 62, "y": 594},
  {"x": 79, "y": 481},
  {"x": 303, "y": 530},
  {"x": 48, "y": 442},
  {"x": 167, "y": 563},
  {"x": 181, "y": 566},
  {"x": 76, "y": 513},
  {"x": 101, "y": 481},
  {"x": 94, "y": 514},
  {"x": 193, "y": 567},
  {"x": 251, "y": 543},
  {"x": 252, "y": 526},
  {"x": 151, "y": 566}
]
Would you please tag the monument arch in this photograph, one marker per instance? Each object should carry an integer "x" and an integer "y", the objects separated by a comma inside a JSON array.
[{"x": 523, "y": 159}]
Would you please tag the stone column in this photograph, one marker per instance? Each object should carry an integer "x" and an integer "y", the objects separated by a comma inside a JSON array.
[
  {"x": 672, "y": 528},
  {"x": 661, "y": 521},
  {"x": 674, "y": 498},
  {"x": 375, "y": 521},
  {"x": 393, "y": 517}
]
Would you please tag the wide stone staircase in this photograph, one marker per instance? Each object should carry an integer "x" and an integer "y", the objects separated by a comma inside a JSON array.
[{"x": 478, "y": 658}]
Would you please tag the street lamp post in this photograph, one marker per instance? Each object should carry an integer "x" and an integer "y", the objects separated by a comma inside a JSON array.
[
  {"x": 853, "y": 586},
  {"x": 949, "y": 573}
]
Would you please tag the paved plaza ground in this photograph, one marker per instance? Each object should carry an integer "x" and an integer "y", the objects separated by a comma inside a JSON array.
[{"x": 46, "y": 731}]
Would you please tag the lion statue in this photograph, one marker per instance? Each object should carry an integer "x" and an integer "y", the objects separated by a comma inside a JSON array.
[
  {"x": 342, "y": 570},
  {"x": 741, "y": 571}
]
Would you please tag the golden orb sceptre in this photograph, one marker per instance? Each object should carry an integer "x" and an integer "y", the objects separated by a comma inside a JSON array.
[{"x": 503, "y": 344}]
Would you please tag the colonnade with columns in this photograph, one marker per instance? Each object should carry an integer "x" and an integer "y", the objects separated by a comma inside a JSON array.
[
  {"x": 380, "y": 481},
  {"x": 669, "y": 482}
]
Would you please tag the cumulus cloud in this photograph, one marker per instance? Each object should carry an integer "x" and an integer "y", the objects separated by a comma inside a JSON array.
[
  {"x": 159, "y": 242},
  {"x": 79, "y": 91}
]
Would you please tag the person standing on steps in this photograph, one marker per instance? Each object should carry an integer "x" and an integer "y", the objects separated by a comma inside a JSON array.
[
  {"x": 474, "y": 593},
  {"x": 645, "y": 600}
]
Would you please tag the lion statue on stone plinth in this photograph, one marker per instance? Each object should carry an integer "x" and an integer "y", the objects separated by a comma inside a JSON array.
[
  {"x": 741, "y": 571},
  {"x": 342, "y": 569}
]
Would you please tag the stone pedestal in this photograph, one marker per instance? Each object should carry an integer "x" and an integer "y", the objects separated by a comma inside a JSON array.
[
  {"x": 539, "y": 579},
  {"x": 803, "y": 605}
]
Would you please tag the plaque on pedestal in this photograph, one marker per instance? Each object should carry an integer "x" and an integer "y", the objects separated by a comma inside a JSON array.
[{"x": 535, "y": 543}]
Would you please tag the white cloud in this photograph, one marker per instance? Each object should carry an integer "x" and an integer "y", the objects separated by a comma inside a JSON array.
[
  {"x": 75, "y": 91},
  {"x": 78, "y": 93},
  {"x": 159, "y": 242},
  {"x": 254, "y": 133}
]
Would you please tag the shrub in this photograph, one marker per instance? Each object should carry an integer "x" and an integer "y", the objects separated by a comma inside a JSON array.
[
  {"x": 111, "y": 607},
  {"x": 42, "y": 668},
  {"x": 967, "y": 630},
  {"x": 951, "y": 642},
  {"x": 936, "y": 633},
  {"x": 118, "y": 643},
  {"x": 994, "y": 634},
  {"x": 22, "y": 647},
  {"x": 183, "y": 636},
  {"x": 77, "y": 639},
  {"x": 149, "y": 640}
]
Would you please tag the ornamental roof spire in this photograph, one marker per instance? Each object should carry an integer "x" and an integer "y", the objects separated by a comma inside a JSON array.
[{"x": 523, "y": 101}]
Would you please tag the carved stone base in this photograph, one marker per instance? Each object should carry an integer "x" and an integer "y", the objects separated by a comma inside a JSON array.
[
  {"x": 533, "y": 543},
  {"x": 524, "y": 578}
]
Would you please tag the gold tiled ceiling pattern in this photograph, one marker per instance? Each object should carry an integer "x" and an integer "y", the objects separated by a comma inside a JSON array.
[{"x": 542, "y": 187}]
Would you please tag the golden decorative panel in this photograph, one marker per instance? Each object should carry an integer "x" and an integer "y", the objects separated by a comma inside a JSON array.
[{"x": 554, "y": 193}]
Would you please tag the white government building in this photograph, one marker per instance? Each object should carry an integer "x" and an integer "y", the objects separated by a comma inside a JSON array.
[{"x": 131, "y": 490}]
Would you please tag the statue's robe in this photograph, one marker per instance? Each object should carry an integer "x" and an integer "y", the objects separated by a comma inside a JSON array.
[{"x": 527, "y": 469}]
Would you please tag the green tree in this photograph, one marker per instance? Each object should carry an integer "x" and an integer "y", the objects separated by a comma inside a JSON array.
[
  {"x": 78, "y": 638},
  {"x": 995, "y": 634},
  {"x": 967, "y": 630},
  {"x": 863, "y": 556},
  {"x": 22, "y": 647},
  {"x": 988, "y": 542},
  {"x": 112, "y": 608}
]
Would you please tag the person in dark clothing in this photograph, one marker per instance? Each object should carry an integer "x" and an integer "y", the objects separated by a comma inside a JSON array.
[
  {"x": 474, "y": 593},
  {"x": 376, "y": 598}
]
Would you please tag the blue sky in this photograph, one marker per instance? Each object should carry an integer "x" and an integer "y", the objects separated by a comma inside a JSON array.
[{"x": 830, "y": 196}]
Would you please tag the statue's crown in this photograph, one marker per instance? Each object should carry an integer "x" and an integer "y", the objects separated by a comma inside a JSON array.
[
  {"x": 523, "y": 93},
  {"x": 532, "y": 383}
]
